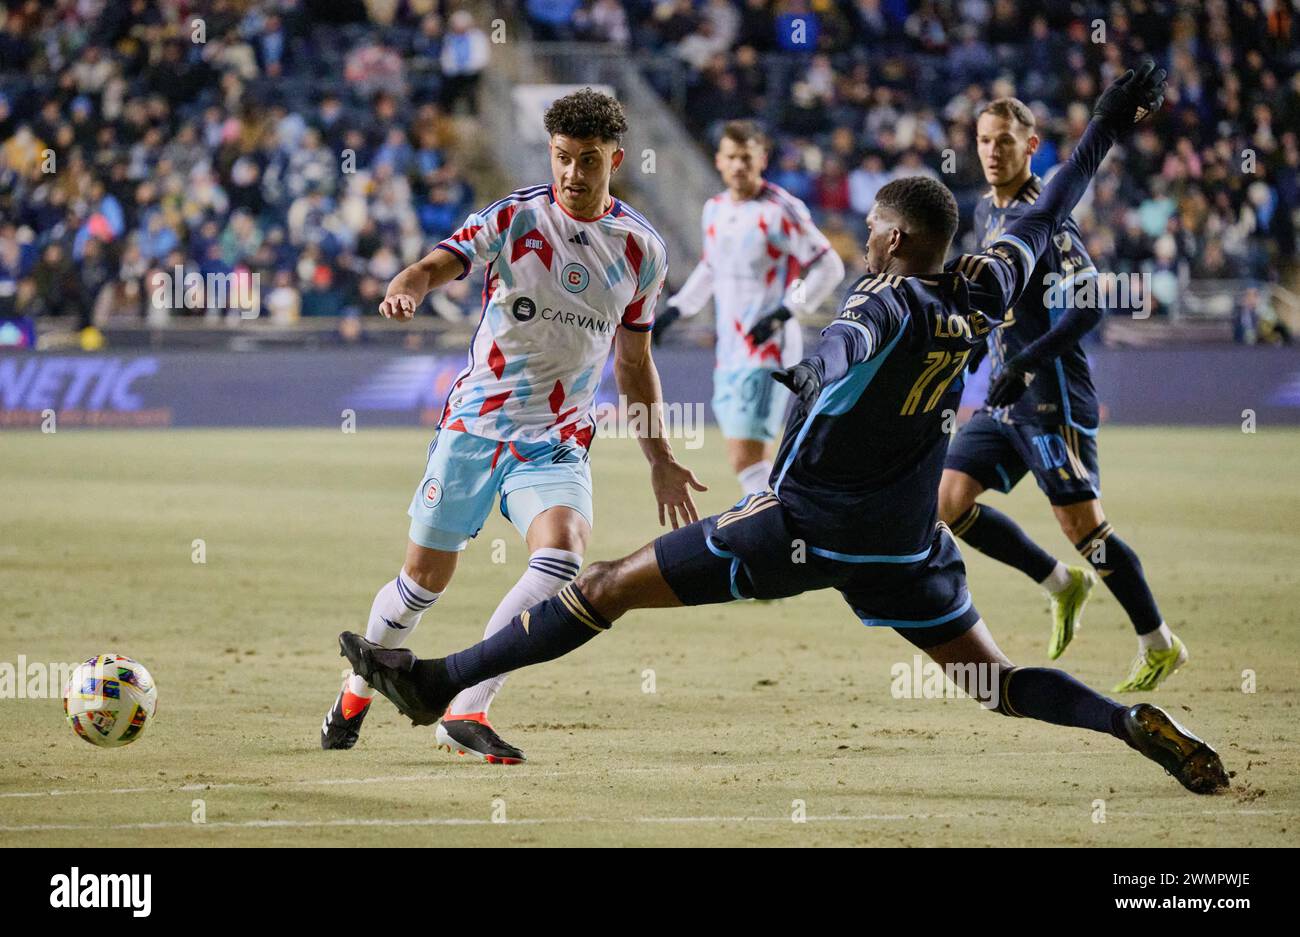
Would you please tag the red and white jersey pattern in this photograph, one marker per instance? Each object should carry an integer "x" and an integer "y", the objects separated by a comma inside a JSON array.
[
  {"x": 754, "y": 252},
  {"x": 558, "y": 288}
]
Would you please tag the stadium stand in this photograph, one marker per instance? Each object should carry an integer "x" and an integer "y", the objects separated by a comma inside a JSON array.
[{"x": 221, "y": 153}]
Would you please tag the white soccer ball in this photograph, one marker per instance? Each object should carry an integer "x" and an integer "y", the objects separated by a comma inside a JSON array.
[{"x": 109, "y": 700}]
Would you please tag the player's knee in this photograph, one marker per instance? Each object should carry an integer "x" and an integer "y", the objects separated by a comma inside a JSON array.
[
  {"x": 1077, "y": 527},
  {"x": 954, "y": 502},
  {"x": 599, "y": 583}
]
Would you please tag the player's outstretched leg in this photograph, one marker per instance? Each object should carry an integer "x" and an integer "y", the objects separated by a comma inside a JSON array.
[
  {"x": 422, "y": 689},
  {"x": 1160, "y": 651},
  {"x": 465, "y": 729},
  {"x": 1054, "y": 696},
  {"x": 394, "y": 614},
  {"x": 996, "y": 535}
]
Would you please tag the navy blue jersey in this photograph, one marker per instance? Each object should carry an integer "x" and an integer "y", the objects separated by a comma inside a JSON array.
[
  {"x": 1062, "y": 391},
  {"x": 859, "y": 474}
]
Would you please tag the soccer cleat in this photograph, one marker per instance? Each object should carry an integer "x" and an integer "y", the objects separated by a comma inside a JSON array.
[
  {"x": 1154, "y": 733},
  {"x": 472, "y": 734},
  {"x": 389, "y": 670},
  {"x": 342, "y": 723},
  {"x": 1151, "y": 667},
  {"x": 1067, "y": 609}
]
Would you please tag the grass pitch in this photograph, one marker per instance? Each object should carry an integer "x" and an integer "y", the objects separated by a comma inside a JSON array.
[{"x": 761, "y": 713}]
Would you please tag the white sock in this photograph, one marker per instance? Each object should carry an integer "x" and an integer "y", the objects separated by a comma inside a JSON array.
[
  {"x": 1058, "y": 579},
  {"x": 754, "y": 478},
  {"x": 549, "y": 571},
  {"x": 1162, "y": 639},
  {"x": 393, "y": 616}
]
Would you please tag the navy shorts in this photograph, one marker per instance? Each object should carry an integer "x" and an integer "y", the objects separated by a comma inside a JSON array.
[
  {"x": 997, "y": 455},
  {"x": 750, "y": 553}
]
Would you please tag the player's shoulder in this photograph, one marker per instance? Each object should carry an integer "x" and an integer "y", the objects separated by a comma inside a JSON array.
[
  {"x": 789, "y": 203},
  {"x": 525, "y": 194},
  {"x": 624, "y": 215},
  {"x": 873, "y": 292},
  {"x": 1030, "y": 191}
]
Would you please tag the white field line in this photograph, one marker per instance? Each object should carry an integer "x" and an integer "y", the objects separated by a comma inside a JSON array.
[
  {"x": 466, "y": 771},
  {"x": 552, "y": 821},
  {"x": 457, "y": 821}
]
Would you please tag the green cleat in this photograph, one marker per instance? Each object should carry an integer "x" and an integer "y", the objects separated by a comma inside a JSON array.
[
  {"x": 1151, "y": 667},
  {"x": 1067, "y": 609}
]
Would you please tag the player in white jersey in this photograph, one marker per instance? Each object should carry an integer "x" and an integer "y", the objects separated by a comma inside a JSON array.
[
  {"x": 764, "y": 264},
  {"x": 571, "y": 272}
]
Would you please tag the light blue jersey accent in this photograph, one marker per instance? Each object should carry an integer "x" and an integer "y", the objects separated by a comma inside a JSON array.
[
  {"x": 837, "y": 398},
  {"x": 928, "y": 623}
]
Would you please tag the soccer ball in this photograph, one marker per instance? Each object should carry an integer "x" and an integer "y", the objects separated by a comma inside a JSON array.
[{"x": 109, "y": 700}]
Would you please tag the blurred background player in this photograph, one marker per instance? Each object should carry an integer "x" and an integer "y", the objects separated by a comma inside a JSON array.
[
  {"x": 570, "y": 269},
  {"x": 765, "y": 263},
  {"x": 1041, "y": 417}
]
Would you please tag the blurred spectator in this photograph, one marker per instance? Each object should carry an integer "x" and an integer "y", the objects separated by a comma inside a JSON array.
[{"x": 128, "y": 150}]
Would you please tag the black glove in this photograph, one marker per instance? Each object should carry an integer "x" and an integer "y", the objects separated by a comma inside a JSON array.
[
  {"x": 1011, "y": 383},
  {"x": 762, "y": 329},
  {"x": 662, "y": 323},
  {"x": 1131, "y": 97},
  {"x": 803, "y": 381}
]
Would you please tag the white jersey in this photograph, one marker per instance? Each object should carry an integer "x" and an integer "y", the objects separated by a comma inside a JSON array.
[
  {"x": 756, "y": 253},
  {"x": 558, "y": 288}
]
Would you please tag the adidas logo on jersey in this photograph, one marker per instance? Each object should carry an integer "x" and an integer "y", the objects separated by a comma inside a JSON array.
[{"x": 580, "y": 238}]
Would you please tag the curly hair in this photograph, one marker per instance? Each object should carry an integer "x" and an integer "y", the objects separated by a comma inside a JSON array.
[
  {"x": 586, "y": 114},
  {"x": 926, "y": 206}
]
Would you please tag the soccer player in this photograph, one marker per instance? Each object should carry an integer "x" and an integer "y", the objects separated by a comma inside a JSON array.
[
  {"x": 570, "y": 271},
  {"x": 764, "y": 263},
  {"x": 854, "y": 498},
  {"x": 1041, "y": 417}
]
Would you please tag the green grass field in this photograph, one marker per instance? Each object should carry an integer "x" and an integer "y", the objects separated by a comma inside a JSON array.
[{"x": 756, "y": 706}]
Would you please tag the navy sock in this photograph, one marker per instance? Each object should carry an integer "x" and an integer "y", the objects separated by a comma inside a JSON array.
[
  {"x": 1121, "y": 570},
  {"x": 548, "y": 630},
  {"x": 1054, "y": 696},
  {"x": 994, "y": 534}
]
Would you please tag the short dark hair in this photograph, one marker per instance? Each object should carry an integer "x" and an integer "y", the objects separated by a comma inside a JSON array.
[
  {"x": 586, "y": 115},
  {"x": 1012, "y": 109},
  {"x": 742, "y": 132},
  {"x": 926, "y": 207}
]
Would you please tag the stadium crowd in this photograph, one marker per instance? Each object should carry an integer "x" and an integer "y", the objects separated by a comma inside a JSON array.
[
  {"x": 315, "y": 154},
  {"x": 262, "y": 141},
  {"x": 858, "y": 92}
]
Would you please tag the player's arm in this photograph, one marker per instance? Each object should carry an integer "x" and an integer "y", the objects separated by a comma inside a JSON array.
[
  {"x": 688, "y": 301},
  {"x": 1074, "y": 322},
  {"x": 638, "y": 382},
  {"x": 1001, "y": 273},
  {"x": 477, "y": 241},
  {"x": 863, "y": 327},
  {"x": 408, "y": 289}
]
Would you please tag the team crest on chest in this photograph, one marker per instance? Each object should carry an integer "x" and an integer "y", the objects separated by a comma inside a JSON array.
[{"x": 575, "y": 277}]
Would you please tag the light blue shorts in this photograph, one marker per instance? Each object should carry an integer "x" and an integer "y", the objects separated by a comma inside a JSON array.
[
  {"x": 748, "y": 404},
  {"x": 466, "y": 473}
]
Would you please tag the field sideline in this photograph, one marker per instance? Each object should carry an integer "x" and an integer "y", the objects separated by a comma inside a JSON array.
[{"x": 756, "y": 706}]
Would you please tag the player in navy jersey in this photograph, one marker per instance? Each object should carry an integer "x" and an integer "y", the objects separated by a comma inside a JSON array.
[
  {"x": 1042, "y": 417},
  {"x": 854, "y": 497}
]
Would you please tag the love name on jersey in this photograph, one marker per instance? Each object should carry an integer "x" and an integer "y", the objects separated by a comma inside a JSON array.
[{"x": 956, "y": 325}]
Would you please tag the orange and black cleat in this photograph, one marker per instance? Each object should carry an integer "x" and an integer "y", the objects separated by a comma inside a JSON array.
[{"x": 472, "y": 734}]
